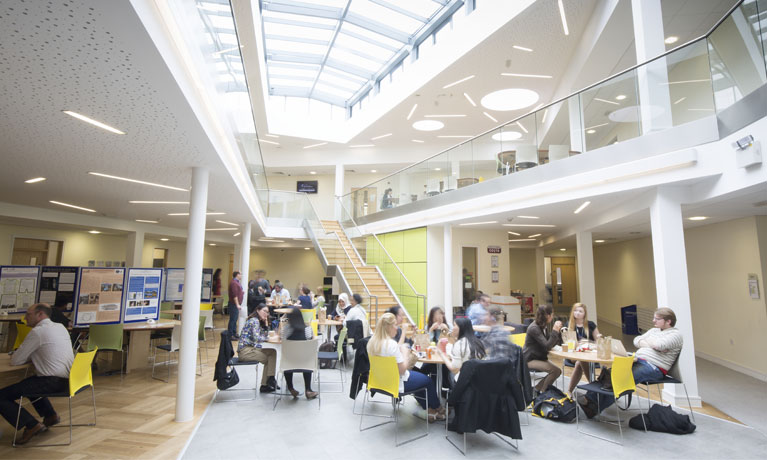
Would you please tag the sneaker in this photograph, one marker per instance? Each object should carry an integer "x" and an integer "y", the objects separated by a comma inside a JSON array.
[
  {"x": 29, "y": 433},
  {"x": 51, "y": 420},
  {"x": 266, "y": 389},
  {"x": 311, "y": 394}
]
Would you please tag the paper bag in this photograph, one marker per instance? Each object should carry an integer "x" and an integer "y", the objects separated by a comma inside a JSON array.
[
  {"x": 421, "y": 340},
  {"x": 322, "y": 315},
  {"x": 568, "y": 336},
  {"x": 604, "y": 347}
]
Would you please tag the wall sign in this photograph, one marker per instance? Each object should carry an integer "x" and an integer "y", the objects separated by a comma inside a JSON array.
[{"x": 494, "y": 249}]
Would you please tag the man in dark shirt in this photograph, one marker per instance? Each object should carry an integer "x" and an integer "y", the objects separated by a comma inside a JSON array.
[
  {"x": 57, "y": 312},
  {"x": 235, "y": 300}
]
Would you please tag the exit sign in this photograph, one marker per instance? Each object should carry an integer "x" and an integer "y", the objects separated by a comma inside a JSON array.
[{"x": 494, "y": 249}]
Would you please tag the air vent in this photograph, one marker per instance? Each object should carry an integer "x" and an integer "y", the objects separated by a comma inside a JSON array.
[
  {"x": 350, "y": 170},
  {"x": 278, "y": 173}
]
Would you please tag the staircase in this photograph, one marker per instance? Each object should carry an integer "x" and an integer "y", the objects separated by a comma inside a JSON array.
[{"x": 369, "y": 276}]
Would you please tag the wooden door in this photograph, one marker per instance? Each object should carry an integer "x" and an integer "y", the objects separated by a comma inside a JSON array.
[
  {"x": 563, "y": 282},
  {"x": 364, "y": 201}
]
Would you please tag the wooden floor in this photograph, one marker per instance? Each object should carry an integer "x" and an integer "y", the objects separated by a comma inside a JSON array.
[{"x": 135, "y": 417}]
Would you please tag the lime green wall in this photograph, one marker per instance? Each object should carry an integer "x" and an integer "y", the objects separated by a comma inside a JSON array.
[{"x": 408, "y": 250}]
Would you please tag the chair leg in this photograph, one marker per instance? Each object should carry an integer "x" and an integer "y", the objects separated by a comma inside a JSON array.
[
  {"x": 16, "y": 426},
  {"x": 692, "y": 414}
]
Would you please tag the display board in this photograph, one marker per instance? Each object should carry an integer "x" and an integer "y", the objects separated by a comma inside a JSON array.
[
  {"x": 174, "y": 284},
  {"x": 58, "y": 285},
  {"x": 143, "y": 294},
  {"x": 18, "y": 287},
  {"x": 207, "y": 285},
  {"x": 99, "y": 296}
]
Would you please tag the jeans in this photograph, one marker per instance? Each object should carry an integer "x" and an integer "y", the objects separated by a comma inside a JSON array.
[
  {"x": 30, "y": 385},
  {"x": 642, "y": 371},
  {"x": 234, "y": 313},
  {"x": 416, "y": 381}
]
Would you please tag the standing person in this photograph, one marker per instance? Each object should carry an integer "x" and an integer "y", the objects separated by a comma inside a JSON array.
[
  {"x": 255, "y": 296},
  {"x": 264, "y": 284},
  {"x": 584, "y": 330},
  {"x": 48, "y": 347},
  {"x": 657, "y": 351},
  {"x": 477, "y": 311},
  {"x": 386, "y": 201},
  {"x": 217, "y": 282},
  {"x": 249, "y": 348},
  {"x": 236, "y": 294},
  {"x": 298, "y": 330},
  {"x": 538, "y": 342}
]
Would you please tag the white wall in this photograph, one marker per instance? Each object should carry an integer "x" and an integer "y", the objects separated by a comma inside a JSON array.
[
  {"x": 522, "y": 274},
  {"x": 481, "y": 239},
  {"x": 435, "y": 272},
  {"x": 289, "y": 265}
]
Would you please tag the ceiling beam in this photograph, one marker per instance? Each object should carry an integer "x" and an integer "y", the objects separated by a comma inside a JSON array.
[
  {"x": 290, "y": 38},
  {"x": 330, "y": 45},
  {"x": 292, "y": 22},
  {"x": 377, "y": 27},
  {"x": 401, "y": 11},
  {"x": 304, "y": 9}
]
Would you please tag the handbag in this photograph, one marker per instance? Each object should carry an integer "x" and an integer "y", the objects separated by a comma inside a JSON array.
[{"x": 229, "y": 380}]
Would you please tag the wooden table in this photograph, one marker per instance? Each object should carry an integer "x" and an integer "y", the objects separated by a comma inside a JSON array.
[
  {"x": 10, "y": 337},
  {"x": 328, "y": 323},
  {"x": 138, "y": 342},
  {"x": 283, "y": 311},
  {"x": 485, "y": 328},
  {"x": 175, "y": 311},
  {"x": 5, "y": 364},
  {"x": 585, "y": 356}
]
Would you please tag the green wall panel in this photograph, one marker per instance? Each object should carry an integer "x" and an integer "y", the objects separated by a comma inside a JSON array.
[
  {"x": 414, "y": 245},
  {"x": 393, "y": 244}
]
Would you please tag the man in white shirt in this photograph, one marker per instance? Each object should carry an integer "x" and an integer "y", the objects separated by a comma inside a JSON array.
[
  {"x": 49, "y": 349},
  {"x": 280, "y": 295}
]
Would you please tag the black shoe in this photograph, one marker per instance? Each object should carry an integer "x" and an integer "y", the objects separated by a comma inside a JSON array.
[
  {"x": 266, "y": 389},
  {"x": 587, "y": 406},
  {"x": 271, "y": 381}
]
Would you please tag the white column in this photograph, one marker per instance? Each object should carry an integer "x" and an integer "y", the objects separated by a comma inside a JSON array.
[
  {"x": 540, "y": 277},
  {"x": 195, "y": 243},
  {"x": 586, "y": 285},
  {"x": 672, "y": 287},
  {"x": 236, "y": 260},
  {"x": 339, "y": 190},
  {"x": 447, "y": 254},
  {"x": 134, "y": 249},
  {"x": 244, "y": 269},
  {"x": 652, "y": 79}
]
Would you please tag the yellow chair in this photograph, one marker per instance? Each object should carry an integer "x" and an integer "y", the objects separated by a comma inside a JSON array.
[
  {"x": 623, "y": 384},
  {"x": 21, "y": 333},
  {"x": 309, "y": 314},
  {"x": 80, "y": 378},
  {"x": 518, "y": 339},
  {"x": 315, "y": 326},
  {"x": 384, "y": 378}
]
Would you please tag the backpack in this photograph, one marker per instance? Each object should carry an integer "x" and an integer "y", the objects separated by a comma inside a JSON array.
[
  {"x": 554, "y": 405},
  {"x": 328, "y": 364}
]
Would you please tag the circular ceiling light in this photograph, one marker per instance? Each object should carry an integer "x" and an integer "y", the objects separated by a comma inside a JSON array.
[
  {"x": 509, "y": 99},
  {"x": 671, "y": 39},
  {"x": 620, "y": 97},
  {"x": 506, "y": 136},
  {"x": 631, "y": 114},
  {"x": 428, "y": 125}
]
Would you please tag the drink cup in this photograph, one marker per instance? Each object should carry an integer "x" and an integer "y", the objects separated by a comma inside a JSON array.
[{"x": 565, "y": 347}]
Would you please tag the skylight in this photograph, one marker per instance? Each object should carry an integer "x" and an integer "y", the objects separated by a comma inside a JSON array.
[{"x": 336, "y": 51}]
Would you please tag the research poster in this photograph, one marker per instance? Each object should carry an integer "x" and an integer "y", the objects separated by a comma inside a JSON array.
[
  {"x": 143, "y": 294},
  {"x": 174, "y": 284},
  {"x": 57, "y": 286},
  {"x": 99, "y": 296},
  {"x": 18, "y": 287},
  {"x": 207, "y": 285}
]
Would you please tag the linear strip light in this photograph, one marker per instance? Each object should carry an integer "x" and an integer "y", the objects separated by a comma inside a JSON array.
[
  {"x": 468, "y": 98},
  {"x": 148, "y": 221},
  {"x": 411, "y": 111},
  {"x": 268, "y": 142},
  {"x": 524, "y": 75},
  {"x": 157, "y": 202},
  {"x": 71, "y": 206},
  {"x": 207, "y": 214},
  {"x": 687, "y": 81},
  {"x": 521, "y": 239},
  {"x": 479, "y": 223},
  {"x": 528, "y": 217},
  {"x": 315, "y": 145},
  {"x": 455, "y": 137},
  {"x": 218, "y": 53},
  {"x": 237, "y": 234},
  {"x": 418, "y": 141},
  {"x": 93, "y": 122},
  {"x": 35, "y": 180},
  {"x": 457, "y": 115},
  {"x": 522, "y": 48},
  {"x": 529, "y": 225},
  {"x": 605, "y": 101},
  {"x": 582, "y": 207},
  {"x": 380, "y": 137},
  {"x": 271, "y": 135},
  {"x": 680, "y": 100},
  {"x": 359, "y": 146},
  {"x": 457, "y": 82},
  {"x": 597, "y": 126},
  {"x": 534, "y": 236},
  {"x": 515, "y": 234},
  {"x": 136, "y": 181},
  {"x": 522, "y": 127},
  {"x": 490, "y": 117},
  {"x": 564, "y": 19},
  {"x": 227, "y": 223}
]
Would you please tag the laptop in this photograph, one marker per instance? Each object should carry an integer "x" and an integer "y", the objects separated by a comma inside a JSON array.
[{"x": 618, "y": 348}]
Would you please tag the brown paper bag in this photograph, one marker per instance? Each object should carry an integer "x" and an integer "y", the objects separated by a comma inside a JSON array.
[
  {"x": 322, "y": 315},
  {"x": 604, "y": 347},
  {"x": 569, "y": 336}
]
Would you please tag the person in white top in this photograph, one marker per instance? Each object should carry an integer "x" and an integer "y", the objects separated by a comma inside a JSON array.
[
  {"x": 467, "y": 346},
  {"x": 357, "y": 312},
  {"x": 383, "y": 344},
  {"x": 49, "y": 349},
  {"x": 280, "y": 295}
]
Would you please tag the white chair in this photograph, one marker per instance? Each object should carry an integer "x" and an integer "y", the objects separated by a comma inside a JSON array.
[
  {"x": 558, "y": 152},
  {"x": 299, "y": 355},
  {"x": 172, "y": 347},
  {"x": 208, "y": 314},
  {"x": 526, "y": 157}
]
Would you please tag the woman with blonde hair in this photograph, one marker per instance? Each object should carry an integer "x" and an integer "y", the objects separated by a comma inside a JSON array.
[
  {"x": 383, "y": 344},
  {"x": 584, "y": 330}
]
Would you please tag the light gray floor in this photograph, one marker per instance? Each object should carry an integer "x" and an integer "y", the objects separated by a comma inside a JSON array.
[{"x": 297, "y": 429}]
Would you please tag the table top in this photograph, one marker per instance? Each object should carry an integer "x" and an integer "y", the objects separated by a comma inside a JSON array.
[
  {"x": 486, "y": 328},
  {"x": 435, "y": 359},
  {"x": 174, "y": 311},
  {"x": 143, "y": 325},
  {"x": 330, "y": 322},
  {"x": 11, "y": 317},
  {"x": 585, "y": 356},
  {"x": 5, "y": 364},
  {"x": 283, "y": 311}
]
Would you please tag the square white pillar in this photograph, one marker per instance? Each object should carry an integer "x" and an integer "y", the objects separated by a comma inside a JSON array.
[
  {"x": 134, "y": 249},
  {"x": 586, "y": 286}
]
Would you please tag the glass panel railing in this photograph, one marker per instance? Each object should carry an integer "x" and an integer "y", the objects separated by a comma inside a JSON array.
[{"x": 686, "y": 84}]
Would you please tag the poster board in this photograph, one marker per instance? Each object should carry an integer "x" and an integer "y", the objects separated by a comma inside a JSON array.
[
  {"x": 99, "y": 296},
  {"x": 174, "y": 284},
  {"x": 58, "y": 284},
  {"x": 207, "y": 285},
  {"x": 18, "y": 287},
  {"x": 143, "y": 294}
]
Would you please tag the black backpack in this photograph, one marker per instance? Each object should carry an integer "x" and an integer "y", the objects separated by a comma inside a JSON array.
[{"x": 554, "y": 405}]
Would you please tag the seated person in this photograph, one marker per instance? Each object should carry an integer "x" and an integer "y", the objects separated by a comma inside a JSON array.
[
  {"x": 383, "y": 344},
  {"x": 57, "y": 312},
  {"x": 318, "y": 297},
  {"x": 296, "y": 329},
  {"x": 584, "y": 330},
  {"x": 436, "y": 324},
  {"x": 657, "y": 351},
  {"x": 249, "y": 348},
  {"x": 538, "y": 342},
  {"x": 467, "y": 346},
  {"x": 48, "y": 347},
  {"x": 255, "y": 296},
  {"x": 342, "y": 306},
  {"x": 496, "y": 342},
  {"x": 478, "y": 309},
  {"x": 304, "y": 299},
  {"x": 280, "y": 295},
  {"x": 357, "y": 312},
  {"x": 402, "y": 325}
]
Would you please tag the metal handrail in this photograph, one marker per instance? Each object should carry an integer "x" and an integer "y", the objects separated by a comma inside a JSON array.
[
  {"x": 574, "y": 93},
  {"x": 365, "y": 286}
]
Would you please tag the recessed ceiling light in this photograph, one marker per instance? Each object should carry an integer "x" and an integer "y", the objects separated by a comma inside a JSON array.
[
  {"x": 312, "y": 172},
  {"x": 591, "y": 131},
  {"x": 697, "y": 218},
  {"x": 358, "y": 146},
  {"x": 479, "y": 223},
  {"x": 468, "y": 98},
  {"x": 71, "y": 206},
  {"x": 506, "y": 136},
  {"x": 582, "y": 207},
  {"x": 373, "y": 171},
  {"x": 490, "y": 117},
  {"x": 599, "y": 241},
  {"x": 315, "y": 145},
  {"x": 211, "y": 244},
  {"x": 237, "y": 234},
  {"x": 380, "y": 137},
  {"x": 534, "y": 236},
  {"x": 528, "y": 217},
  {"x": 605, "y": 101},
  {"x": 164, "y": 239},
  {"x": 268, "y": 142},
  {"x": 455, "y": 115},
  {"x": 148, "y": 221},
  {"x": 418, "y": 141},
  {"x": 562, "y": 249},
  {"x": 36, "y": 179},
  {"x": 94, "y": 232},
  {"x": 509, "y": 99},
  {"x": 157, "y": 202},
  {"x": 136, "y": 181},
  {"x": 411, "y": 112},
  {"x": 93, "y": 122},
  {"x": 457, "y": 82},
  {"x": 186, "y": 213},
  {"x": 524, "y": 75},
  {"x": 227, "y": 223},
  {"x": 620, "y": 97},
  {"x": 522, "y": 48},
  {"x": 529, "y": 225},
  {"x": 671, "y": 39},
  {"x": 520, "y": 239},
  {"x": 271, "y": 135},
  {"x": 564, "y": 19},
  {"x": 514, "y": 233},
  {"x": 306, "y": 249},
  {"x": 438, "y": 169},
  {"x": 428, "y": 125}
]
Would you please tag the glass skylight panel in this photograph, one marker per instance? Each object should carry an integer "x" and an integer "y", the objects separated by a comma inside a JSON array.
[
  {"x": 349, "y": 42},
  {"x": 290, "y": 82},
  {"x": 382, "y": 40},
  {"x": 214, "y": 7},
  {"x": 328, "y": 78},
  {"x": 295, "y": 47},
  {"x": 280, "y": 70},
  {"x": 221, "y": 22},
  {"x": 335, "y": 91},
  {"x": 385, "y": 16},
  {"x": 228, "y": 39},
  {"x": 299, "y": 17},
  {"x": 358, "y": 81},
  {"x": 423, "y": 8},
  {"x": 312, "y": 33},
  {"x": 354, "y": 60}
]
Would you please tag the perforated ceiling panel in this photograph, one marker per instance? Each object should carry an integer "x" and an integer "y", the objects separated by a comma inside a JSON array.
[{"x": 94, "y": 58}]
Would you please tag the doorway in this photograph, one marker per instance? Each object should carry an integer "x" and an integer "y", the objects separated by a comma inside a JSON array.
[
  {"x": 31, "y": 251},
  {"x": 364, "y": 201},
  {"x": 564, "y": 286},
  {"x": 469, "y": 274},
  {"x": 160, "y": 258}
]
